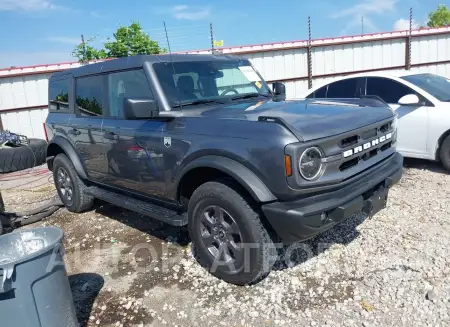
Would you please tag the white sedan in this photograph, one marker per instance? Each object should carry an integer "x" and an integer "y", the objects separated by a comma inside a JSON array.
[{"x": 421, "y": 101}]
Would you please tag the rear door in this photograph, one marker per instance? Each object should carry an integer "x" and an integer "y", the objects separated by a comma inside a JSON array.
[
  {"x": 133, "y": 148},
  {"x": 60, "y": 106},
  {"x": 86, "y": 128},
  {"x": 412, "y": 132}
]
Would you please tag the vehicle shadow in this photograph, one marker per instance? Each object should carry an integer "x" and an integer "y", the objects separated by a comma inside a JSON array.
[
  {"x": 299, "y": 253},
  {"x": 147, "y": 225},
  {"x": 85, "y": 289},
  {"x": 433, "y": 166},
  {"x": 289, "y": 256}
]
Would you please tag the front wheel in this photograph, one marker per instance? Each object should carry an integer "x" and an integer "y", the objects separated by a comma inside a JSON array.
[
  {"x": 228, "y": 237},
  {"x": 444, "y": 153}
]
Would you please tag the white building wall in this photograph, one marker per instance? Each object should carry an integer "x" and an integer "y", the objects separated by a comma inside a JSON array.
[{"x": 27, "y": 122}]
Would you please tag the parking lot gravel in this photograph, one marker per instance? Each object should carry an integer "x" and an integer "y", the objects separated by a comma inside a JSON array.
[{"x": 389, "y": 270}]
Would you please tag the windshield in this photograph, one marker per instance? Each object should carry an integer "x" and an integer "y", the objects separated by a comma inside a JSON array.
[
  {"x": 436, "y": 85},
  {"x": 203, "y": 82}
]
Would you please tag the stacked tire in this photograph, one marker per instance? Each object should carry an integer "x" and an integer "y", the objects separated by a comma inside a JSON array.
[{"x": 23, "y": 157}]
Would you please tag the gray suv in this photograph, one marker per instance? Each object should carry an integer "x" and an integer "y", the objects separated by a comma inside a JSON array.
[{"x": 202, "y": 141}]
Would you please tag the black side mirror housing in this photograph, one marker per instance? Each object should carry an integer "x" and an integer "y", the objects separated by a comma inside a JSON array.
[
  {"x": 140, "y": 108},
  {"x": 279, "y": 90}
]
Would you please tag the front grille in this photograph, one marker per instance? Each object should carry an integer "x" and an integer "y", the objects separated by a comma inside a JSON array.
[
  {"x": 348, "y": 141},
  {"x": 349, "y": 164},
  {"x": 364, "y": 145},
  {"x": 385, "y": 128}
]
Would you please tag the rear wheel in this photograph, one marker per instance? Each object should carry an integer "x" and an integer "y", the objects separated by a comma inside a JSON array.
[
  {"x": 69, "y": 186},
  {"x": 228, "y": 237},
  {"x": 444, "y": 153}
]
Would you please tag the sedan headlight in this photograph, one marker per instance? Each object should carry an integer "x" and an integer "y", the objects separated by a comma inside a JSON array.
[{"x": 310, "y": 163}]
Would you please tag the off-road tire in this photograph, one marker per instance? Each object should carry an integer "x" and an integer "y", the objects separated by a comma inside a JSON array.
[
  {"x": 81, "y": 201},
  {"x": 227, "y": 196},
  {"x": 23, "y": 157},
  {"x": 444, "y": 153}
]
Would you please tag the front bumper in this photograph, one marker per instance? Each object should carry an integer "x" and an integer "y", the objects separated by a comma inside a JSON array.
[{"x": 305, "y": 218}]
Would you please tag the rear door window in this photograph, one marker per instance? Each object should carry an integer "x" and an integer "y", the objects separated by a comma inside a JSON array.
[
  {"x": 388, "y": 90},
  {"x": 89, "y": 95},
  {"x": 343, "y": 89},
  {"x": 59, "y": 95}
]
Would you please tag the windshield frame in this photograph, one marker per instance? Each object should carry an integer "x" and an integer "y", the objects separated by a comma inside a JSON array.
[
  {"x": 412, "y": 80},
  {"x": 177, "y": 105}
]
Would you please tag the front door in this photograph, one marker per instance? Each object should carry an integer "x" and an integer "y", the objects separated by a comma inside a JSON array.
[
  {"x": 133, "y": 148},
  {"x": 412, "y": 131}
]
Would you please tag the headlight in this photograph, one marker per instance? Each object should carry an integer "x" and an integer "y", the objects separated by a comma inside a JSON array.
[{"x": 310, "y": 163}]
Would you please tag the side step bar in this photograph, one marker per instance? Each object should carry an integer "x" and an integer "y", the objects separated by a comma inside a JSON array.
[{"x": 168, "y": 216}]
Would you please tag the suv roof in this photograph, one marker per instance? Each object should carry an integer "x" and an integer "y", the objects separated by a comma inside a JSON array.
[{"x": 138, "y": 61}]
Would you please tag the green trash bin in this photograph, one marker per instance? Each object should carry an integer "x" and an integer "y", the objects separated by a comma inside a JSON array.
[{"x": 34, "y": 287}]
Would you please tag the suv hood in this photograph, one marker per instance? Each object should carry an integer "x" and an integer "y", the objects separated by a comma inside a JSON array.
[{"x": 308, "y": 119}]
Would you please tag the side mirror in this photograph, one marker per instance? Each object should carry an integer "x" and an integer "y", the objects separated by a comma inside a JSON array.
[
  {"x": 140, "y": 108},
  {"x": 409, "y": 100},
  {"x": 279, "y": 88}
]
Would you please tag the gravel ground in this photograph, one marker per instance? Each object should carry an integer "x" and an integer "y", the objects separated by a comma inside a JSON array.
[{"x": 391, "y": 270}]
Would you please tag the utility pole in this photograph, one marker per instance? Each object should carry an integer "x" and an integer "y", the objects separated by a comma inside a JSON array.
[
  {"x": 408, "y": 54},
  {"x": 362, "y": 25},
  {"x": 309, "y": 57},
  {"x": 212, "y": 37},
  {"x": 84, "y": 49}
]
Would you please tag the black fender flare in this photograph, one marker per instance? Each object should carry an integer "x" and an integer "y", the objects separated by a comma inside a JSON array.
[
  {"x": 70, "y": 152},
  {"x": 244, "y": 176}
]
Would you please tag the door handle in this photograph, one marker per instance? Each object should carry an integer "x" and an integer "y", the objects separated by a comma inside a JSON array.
[{"x": 74, "y": 131}]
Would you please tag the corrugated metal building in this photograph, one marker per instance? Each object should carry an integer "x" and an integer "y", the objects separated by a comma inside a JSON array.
[{"x": 23, "y": 91}]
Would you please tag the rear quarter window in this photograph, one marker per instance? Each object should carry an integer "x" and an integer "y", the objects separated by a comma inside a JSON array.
[{"x": 59, "y": 95}]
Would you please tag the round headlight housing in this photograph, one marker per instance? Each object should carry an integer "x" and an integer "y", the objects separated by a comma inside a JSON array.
[{"x": 310, "y": 163}]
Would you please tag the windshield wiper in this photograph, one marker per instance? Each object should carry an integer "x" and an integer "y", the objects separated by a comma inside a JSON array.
[
  {"x": 200, "y": 101},
  {"x": 249, "y": 95}
]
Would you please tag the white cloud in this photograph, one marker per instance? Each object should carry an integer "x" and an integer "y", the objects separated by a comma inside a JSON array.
[
  {"x": 180, "y": 7},
  {"x": 27, "y": 5},
  {"x": 403, "y": 24},
  {"x": 65, "y": 40},
  {"x": 356, "y": 24},
  {"x": 96, "y": 14},
  {"x": 28, "y": 58},
  {"x": 366, "y": 7},
  {"x": 190, "y": 13}
]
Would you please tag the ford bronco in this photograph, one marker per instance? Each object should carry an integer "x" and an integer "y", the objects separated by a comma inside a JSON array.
[{"x": 202, "y": 141}]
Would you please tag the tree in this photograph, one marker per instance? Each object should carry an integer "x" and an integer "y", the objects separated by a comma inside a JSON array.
[
  {"x": 131, "y": 40},
  {"x": 440, "y": 17},
  {"x": 127, "y": 41},
  {"x": 85, "y": 52}
]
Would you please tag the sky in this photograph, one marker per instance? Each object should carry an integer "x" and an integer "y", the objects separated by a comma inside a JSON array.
[{"x": 36, "y": 32}]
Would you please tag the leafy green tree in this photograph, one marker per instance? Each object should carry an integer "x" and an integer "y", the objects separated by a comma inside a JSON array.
[
  {"x": 440, "y": 17},
  {"x": 85, "y": 52},
  {"x": 127, "y": 41},
  {"x": 131, "y": 40}
]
